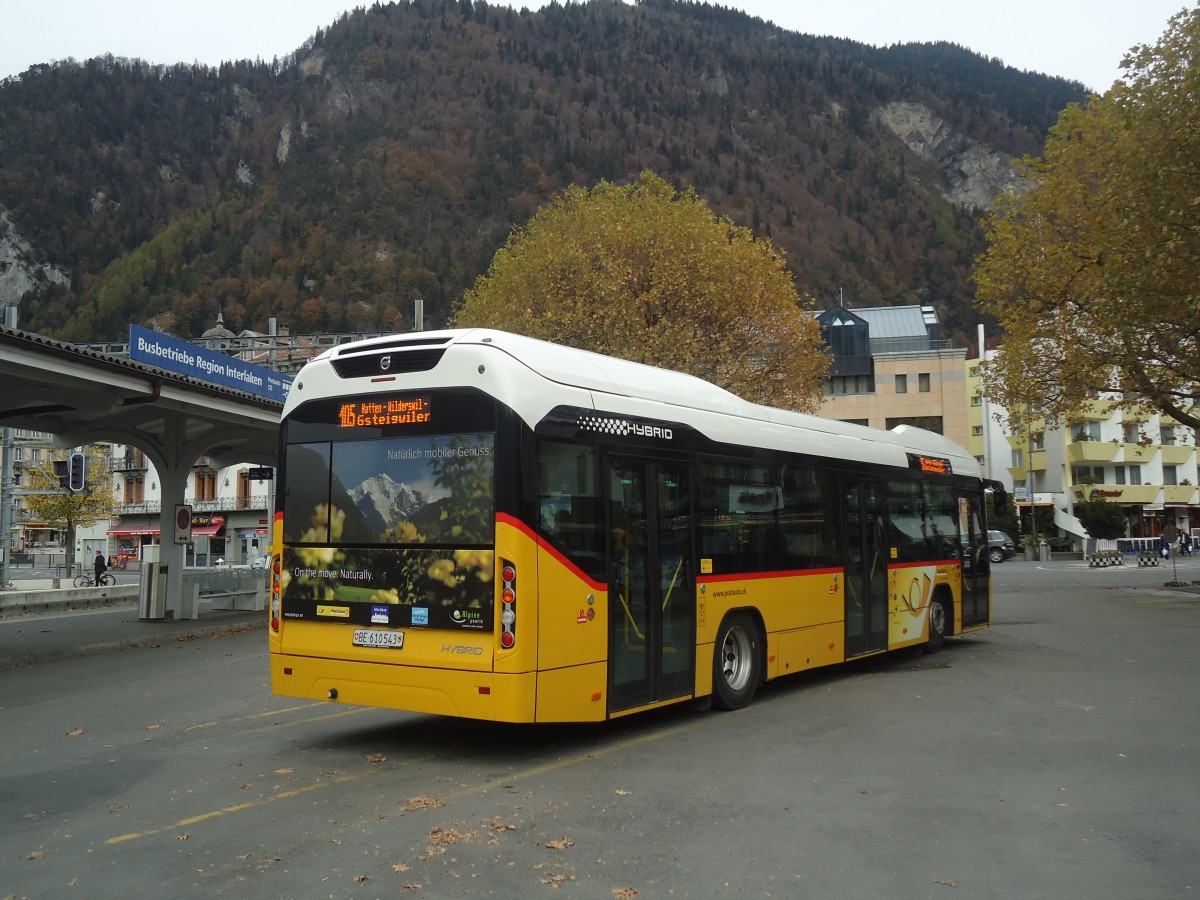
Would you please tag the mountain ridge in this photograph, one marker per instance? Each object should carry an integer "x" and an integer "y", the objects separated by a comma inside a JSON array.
[{"x": 390, "y": 157}]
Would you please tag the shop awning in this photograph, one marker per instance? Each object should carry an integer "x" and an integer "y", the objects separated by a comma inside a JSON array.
[
  {"x": 208, "y": 527},
  {"x": 133, "y": 531}
]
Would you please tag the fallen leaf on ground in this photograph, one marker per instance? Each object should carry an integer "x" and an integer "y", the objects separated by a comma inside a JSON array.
[
  {"x": 561, "y": 843},
  {"x": 415, "y": 803},
  {"x": 75, "y": 732},
  {"x": 443, "y": 836},
  {"x": 624, "y": 893},
  {"x": 399, "y": 867}
]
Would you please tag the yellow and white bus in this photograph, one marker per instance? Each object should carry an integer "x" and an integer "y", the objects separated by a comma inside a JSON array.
[{"x": 473, "y": 523}]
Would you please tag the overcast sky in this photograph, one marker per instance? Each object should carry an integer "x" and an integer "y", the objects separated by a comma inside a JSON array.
[{"x": 1079, "y": 39}]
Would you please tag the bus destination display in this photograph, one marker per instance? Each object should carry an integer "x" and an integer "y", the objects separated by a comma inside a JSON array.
[
  {"x": 393, "y": 411},
  {"x": 935, "y": 465}
]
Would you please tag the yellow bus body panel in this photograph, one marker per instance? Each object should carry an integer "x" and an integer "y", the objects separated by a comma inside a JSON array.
[
  {"x": 785, "y": 601},
  {"x": 802, "y": 614},
  {"x": 443, "y": 692},
  {"x": 572, "y": 616},
  {"x": 910, "y": 588},
  {"x": 575, "y": 694},
  {"x": 806, "y": 648}
]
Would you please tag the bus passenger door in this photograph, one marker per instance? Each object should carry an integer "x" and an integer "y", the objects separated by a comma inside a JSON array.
[
  {"x": 651, "y": 593},
  {"x": 866, "y": 560},
  {"x": 976, "y": 568}
]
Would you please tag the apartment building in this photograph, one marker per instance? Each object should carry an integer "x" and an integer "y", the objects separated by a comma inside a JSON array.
[
  {"x": 890, "y": 367},
  {"x": 230, "y": 510},
  {"x": 1141, "y": 460}
]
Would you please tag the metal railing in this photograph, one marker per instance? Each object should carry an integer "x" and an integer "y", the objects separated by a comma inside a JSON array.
[{"x": 218, "y": 504}]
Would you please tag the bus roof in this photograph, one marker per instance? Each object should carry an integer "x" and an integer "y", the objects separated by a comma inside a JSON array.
[{"x": 516, "y": 363}]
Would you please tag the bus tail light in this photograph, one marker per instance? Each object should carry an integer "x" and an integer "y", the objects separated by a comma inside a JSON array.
[
  {"x": 276, "y": 592},
  {"x": 508, "y": 605}
]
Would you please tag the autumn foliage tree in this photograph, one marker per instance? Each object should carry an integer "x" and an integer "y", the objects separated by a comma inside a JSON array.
[
  {"x": 1096, "y": 267},
  {"x": 64, "y": 510},
  {"x": 646, "y": 273}
]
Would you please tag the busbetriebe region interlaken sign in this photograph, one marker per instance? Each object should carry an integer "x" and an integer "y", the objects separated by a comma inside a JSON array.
[{"x": 157, "y": 349}]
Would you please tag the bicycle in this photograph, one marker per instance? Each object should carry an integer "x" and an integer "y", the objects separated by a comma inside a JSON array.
[{"x": 86, "y": 580}]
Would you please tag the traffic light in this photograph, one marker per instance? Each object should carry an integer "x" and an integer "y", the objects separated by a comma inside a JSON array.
[
  {"x": 76, "y": 474},
  {"x": 60, "y": 472}
]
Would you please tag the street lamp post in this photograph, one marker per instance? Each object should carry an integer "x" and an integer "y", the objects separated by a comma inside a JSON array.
[{"x": 1032, "y": 503}]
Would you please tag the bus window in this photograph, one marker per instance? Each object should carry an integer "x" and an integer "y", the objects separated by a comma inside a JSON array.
[
  {"x": 739, "y": 517},
  {"x": 943, "y": 520},
  {"x": 809, "y": 512},
  {"x": 306, "y": 504},
  {"x": 395, "y": 531},
  {"x": 570, "y": 509},
  {"x": 923, "y": 521}
]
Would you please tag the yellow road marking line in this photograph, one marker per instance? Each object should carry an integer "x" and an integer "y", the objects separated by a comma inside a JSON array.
[{"x": 456, "y": 795}]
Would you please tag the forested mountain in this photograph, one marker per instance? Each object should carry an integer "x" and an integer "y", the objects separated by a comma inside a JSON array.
[{"x": 390, "y": 157}]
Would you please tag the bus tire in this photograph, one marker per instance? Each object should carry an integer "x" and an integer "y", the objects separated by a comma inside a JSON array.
[
  {"x": 737, "y": 662},
  {"x": 939, "y": 624}
]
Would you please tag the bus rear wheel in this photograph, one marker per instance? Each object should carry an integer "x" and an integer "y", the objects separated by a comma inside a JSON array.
[{"x": 737, "y": 662}]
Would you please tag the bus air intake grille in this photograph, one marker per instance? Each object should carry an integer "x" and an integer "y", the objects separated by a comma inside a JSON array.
[{"x": 374, "y": 363}]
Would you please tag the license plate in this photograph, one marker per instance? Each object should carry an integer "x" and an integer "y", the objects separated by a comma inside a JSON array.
[{"x": 367, "y": 637}]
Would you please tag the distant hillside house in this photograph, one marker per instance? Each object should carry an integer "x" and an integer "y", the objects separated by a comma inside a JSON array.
[{"x": 890, "y": 368}]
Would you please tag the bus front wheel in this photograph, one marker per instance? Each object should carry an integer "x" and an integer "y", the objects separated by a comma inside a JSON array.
[
  {"x": 939, "y": 622},
  {"x": 737, "y": 662}
]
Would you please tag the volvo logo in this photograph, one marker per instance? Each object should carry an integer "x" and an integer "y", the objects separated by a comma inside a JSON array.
[{"x": 385, "y": 363}]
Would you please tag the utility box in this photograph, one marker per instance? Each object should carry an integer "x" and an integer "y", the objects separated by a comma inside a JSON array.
[{"x": 152, "y": 592}]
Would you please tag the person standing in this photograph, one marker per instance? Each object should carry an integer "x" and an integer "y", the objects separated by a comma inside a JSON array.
[{"x": 100, "y": 566}]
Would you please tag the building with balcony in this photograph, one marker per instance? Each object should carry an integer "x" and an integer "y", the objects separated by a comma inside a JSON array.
[
  {"x": 1143, "y": 461},
  {"x": 230, "y": 511},
  {"x": 889, "y": 367}
]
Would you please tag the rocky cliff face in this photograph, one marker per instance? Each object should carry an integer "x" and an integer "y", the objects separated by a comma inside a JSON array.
[
  {"x": 17, "y": 274},
  {"x": 974, "y": 174}
]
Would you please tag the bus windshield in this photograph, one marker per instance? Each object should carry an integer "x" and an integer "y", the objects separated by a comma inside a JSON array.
[{"x": 395, "y": 529}]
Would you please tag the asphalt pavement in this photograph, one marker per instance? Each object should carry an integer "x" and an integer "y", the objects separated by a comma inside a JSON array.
[{"x": 38, "y": 635}]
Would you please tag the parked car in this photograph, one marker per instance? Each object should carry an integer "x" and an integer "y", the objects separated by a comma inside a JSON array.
[{"x": 1000, "y": 546}]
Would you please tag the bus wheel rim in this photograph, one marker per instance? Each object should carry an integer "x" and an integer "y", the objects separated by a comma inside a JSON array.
[{"x": 735, "y": 658}]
